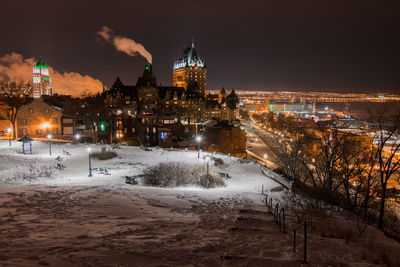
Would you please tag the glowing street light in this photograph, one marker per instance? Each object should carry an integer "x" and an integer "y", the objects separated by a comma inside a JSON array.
[
  {"x": 49, "y": 137},
  {"x": 9, "y": 135},
  {"x": 45, "y": 125},
  {"x": 90, "y": 163},
  {"x": 198, "y": 139},
  {"x": 208, "y": 175},
  {"x": 77, "y": 136}
]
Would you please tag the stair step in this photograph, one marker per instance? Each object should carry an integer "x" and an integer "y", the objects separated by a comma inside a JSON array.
[{"x": 258, "y": 261}]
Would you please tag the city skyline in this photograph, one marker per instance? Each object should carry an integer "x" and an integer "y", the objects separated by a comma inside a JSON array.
[{"x": 258, "y": 46}]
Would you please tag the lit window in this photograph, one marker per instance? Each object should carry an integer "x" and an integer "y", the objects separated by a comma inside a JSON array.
[{"x": 68, "y": 121}]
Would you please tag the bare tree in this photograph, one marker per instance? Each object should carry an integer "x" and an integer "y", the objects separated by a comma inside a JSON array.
[
  {"x": 15, "y": 94},
  {"x": 387, "y": 143},
  {"x": 353, "y": 167},
  {"x": 321, "y": 160},
  {"x": 286, "y": 152},
  {"x": 368, "y": 184}
]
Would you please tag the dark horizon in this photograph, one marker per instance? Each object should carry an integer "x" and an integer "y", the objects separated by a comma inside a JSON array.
[{"x": 348, "y": 46}]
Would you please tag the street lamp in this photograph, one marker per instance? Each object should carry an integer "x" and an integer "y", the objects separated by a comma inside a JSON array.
[
  {"x": 77, "y": 136},
  {"x": 90, "y": 163},
  {"x": 208, "y": 174},
  {"x": 9, "y": 135},
  {"x": 198, "y": 139},
  {"x": 49, "y": 137}
]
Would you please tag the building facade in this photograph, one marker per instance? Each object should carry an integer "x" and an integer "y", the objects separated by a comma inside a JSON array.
[
  {"x": 41, "y": 80},
  {"x": 39, "y": 119}
]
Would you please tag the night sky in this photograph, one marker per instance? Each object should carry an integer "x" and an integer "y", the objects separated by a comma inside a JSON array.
[{"x": 299, "y": 45}]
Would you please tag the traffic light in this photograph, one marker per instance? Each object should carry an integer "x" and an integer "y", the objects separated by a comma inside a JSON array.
[{"x": 102, "y": 126}]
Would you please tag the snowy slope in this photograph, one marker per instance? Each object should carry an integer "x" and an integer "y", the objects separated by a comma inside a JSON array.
[{"x": 71, "y": 219}]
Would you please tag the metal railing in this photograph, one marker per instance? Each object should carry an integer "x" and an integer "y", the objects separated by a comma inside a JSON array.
[
  {"x": 304, "y": 224},
  {"x": 268, "y": 201},
  {"x": 280, "y": 219},
  {"x": 276, "y": 211}
]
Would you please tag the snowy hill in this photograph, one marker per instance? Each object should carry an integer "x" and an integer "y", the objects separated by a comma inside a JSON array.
[{"x": 70, "y": 219}]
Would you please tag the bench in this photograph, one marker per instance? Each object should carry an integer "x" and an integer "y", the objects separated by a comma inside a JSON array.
[
  {"x": 130, "y": 180},
  {"x": 60, "y": 166},
  {"x": 224, "y": 175},
  {"x": 103, "y": 171}
]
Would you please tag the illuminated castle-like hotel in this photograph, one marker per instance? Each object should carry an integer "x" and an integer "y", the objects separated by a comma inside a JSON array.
[
  {"x": 190, "y": 71},
  {"x": 41, "y": 80}
]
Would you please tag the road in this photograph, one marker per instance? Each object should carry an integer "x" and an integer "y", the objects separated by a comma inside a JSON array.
[{"x": 256, "y": 147}]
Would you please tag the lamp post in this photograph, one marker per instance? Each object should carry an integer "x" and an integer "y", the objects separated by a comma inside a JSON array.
[
  {"x": 198, "y": 139},
  {"x": 90, "y": 163},
  {"x": 9, "y": 135},
  {"x": 208, "y": 174},
  {"x": 49, "y": 137},
  {"x": 77, "y": 136}
]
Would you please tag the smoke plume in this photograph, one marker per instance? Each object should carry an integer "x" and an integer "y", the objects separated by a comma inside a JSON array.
[
  {"x": 123, "y": 44},
  {"x": 15, "y": 67}
]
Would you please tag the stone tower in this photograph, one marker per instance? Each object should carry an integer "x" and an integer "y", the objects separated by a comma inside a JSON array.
[
  {"x": 190, "y": 69},
  {"x": 41, "y": 80}
]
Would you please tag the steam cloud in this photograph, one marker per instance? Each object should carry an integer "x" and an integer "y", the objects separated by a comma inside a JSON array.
[
  {"x": 15, "y": 67},
  {"x": 123, "y": 44}
]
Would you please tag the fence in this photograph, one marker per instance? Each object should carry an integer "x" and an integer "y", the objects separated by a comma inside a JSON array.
[
  {"x": 304, "y": 224},
  {"x": 278, "y": 212},
  {"x": 277, "y": 178}
]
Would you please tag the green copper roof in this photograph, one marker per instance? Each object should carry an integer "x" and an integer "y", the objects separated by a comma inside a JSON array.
[{"x": 40, "y": 64}]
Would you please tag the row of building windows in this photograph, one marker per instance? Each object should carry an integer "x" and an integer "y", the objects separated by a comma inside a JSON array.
[
  {"x": 68, "y": 120},
  {"x": 169, "y": 121},
  {"x": 46, "y": 110},
  {"x": 154, "y": 130},
  {"x": 53, "y": 121},
  {"x": 41, "y": 132},
  {"x": 42, "y": 71}
]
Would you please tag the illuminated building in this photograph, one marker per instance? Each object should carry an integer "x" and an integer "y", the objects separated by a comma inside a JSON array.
[
  {"x": 38, "y": 119},
  {"x": 161, "y": 115},
  {"x": 41, "y": 80},
  {"x": 190, "y": 71},
  {"x": 222, "y": 95}
]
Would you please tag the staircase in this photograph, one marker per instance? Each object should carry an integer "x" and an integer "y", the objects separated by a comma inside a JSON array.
[{"x": 259, "y": 241}]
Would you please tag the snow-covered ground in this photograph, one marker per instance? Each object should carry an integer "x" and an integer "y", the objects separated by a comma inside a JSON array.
[
  {"x": 73, "y": 219},
  {"x": 246, "y": 175},
  {"x": 70, "y": 219}
]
